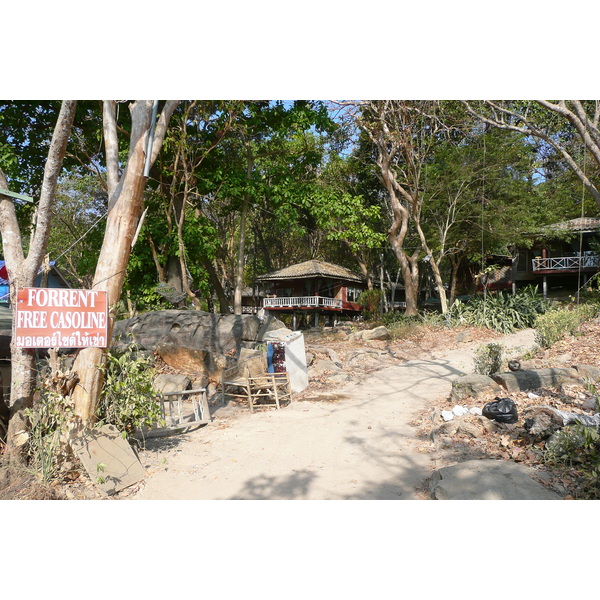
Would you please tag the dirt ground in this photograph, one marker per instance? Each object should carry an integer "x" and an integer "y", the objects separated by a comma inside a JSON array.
[
  {"x": 350, "y": 435},
  {"x": 364, "y": 432}
]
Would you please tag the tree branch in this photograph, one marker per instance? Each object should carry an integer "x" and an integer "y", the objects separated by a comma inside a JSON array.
[
  {"x": 111, "y": 144},
  {"x": 56, "y": 154}
]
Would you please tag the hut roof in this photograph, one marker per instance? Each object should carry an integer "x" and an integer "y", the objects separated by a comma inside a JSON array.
[
  {"x": 583, "y": 224},
  {"x": 312, "y": 268}
]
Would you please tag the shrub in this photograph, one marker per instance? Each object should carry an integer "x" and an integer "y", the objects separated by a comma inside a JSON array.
[
  {"x": 558, "y": 323},
  {"x": 500, "y": 311},
  {"x": 49, "y": 420},
  {"x": 577, "y": 448},
  {"x": 370, "y": 302},
  {"x": 128, "y": 400},
  {"x": 488, "y": 359}
]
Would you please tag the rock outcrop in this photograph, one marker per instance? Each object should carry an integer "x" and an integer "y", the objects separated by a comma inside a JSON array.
[
  {"x": 473, "y": 386},
  {"x": 192, "y": 329},
  {"x": 193, "y": 342},
  {"x": 488, "y": 480}
]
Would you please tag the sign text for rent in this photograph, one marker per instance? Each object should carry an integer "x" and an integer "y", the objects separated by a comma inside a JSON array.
[{"x": 61, "y": 318}]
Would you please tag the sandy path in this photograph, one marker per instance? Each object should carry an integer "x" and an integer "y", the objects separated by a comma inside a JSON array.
[{"x": 360, "y": 447}]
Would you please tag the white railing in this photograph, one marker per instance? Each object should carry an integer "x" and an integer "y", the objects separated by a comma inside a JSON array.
[
  {"x": 302, "y": 301},
  {"x": 561, "y": 263}
]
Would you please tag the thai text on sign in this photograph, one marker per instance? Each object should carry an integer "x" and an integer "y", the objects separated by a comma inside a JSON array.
[{"x": 61, "y": 318}]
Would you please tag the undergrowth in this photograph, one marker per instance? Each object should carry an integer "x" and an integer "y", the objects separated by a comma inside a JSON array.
[
  {"x": 577, "y": 448},
  {"x": 560, "y": 322},
  {"x": 128, "y": 401},
  {"x": 47, "y": 442},
  {"x": 487, "y": 358},
  {"x": 500, "y": 311}
]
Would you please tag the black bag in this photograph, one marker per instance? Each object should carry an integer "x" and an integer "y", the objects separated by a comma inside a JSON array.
[{"x": 502, "y": 410}]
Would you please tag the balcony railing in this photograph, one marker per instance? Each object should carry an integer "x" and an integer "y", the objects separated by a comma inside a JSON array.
[
  {"x": 302, "y": 302},
  {"x": 565, "y": 263}
]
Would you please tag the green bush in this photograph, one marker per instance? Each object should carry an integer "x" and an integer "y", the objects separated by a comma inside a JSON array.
[
  {"x": 558, "y": 323},
  {"x": 128, "y": 400},
  {"x": 488, "y": 359},
  {"x": 501, "y": 311},
  {"x": 370, "y": 302},
  {"x": 577, "y": 448}
]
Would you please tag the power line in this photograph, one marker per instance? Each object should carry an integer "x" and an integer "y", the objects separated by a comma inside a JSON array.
[{"x": 79, "y": 239}]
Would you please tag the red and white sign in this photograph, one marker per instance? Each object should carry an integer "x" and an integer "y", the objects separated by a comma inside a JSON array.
[{"x": 59, "y": 318}]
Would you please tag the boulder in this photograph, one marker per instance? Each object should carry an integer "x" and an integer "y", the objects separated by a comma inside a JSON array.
[
  {"x": 532, "y": 380},
  {"x": 168, "y": 382},
  {"x": 471, "y": 426},
  {"x": 473, "y": 386},
  {"x": 463, "y": 337},
  {"x": 181, "y": 358},
  {"x": 320, "y": 367},
  {"x": 333, "y": 355},
  {"x": 488, "y": 479},
  {"x": 379, "y": 333},
  {"x": 355, "y": 336},
  {"x": 588, "y": 372},
  {"x": 472, "y": 429},
  {"x": 363, "y": 358},
  {"x": 192, "y": 329}
]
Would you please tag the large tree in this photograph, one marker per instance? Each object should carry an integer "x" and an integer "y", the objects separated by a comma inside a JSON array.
[
  {"x": 480, "y": 196},
  {"x": 126, "y": 185},
  {"x": 181, "y": 241},
  {"x": 405, "y": 133},
  {"x": 555, "y": 123},
  {"x": 252, "y": 183},
  {"x": 23, "y": 266}
]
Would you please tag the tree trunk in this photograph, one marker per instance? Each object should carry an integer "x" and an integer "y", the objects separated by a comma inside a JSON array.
[
  {"x": 455, "y": 262},
  {"x": 124, "y": 211},
  {"x": 440, "y": 285},
  {"x": 239, "y": 276},
  {"x": 434, "y": 267},
  {"x": 216, "y": 285},
  {"x": 174, "y": 274},
  {"x": 410, "y": 273}
]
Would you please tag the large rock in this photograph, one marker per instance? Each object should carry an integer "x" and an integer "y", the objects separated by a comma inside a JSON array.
[
  {"x": 473, "y": 386},
  {"x": 321, "y": 367},
  {"x": 532, "y": 380},
  {"x": 192, "y": 329},
  {"x": 181, "y": 358},
  {"x": 588, "y": 372},
  {"x": 379, "y": 333},
  {"x": 488, "y": 480},
  {"x": 169, "y": 382}
]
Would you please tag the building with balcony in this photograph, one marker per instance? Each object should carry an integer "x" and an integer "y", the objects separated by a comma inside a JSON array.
[
  {"x": 311, "y": 290},
  {"x": 563, "y": 257}
]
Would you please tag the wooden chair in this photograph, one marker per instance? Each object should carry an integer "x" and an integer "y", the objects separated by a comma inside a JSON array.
[{"x": 256, "y": 383}]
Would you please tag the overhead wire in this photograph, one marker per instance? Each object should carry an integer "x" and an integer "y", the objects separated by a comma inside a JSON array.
[{"x": 81, "y": 237}]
